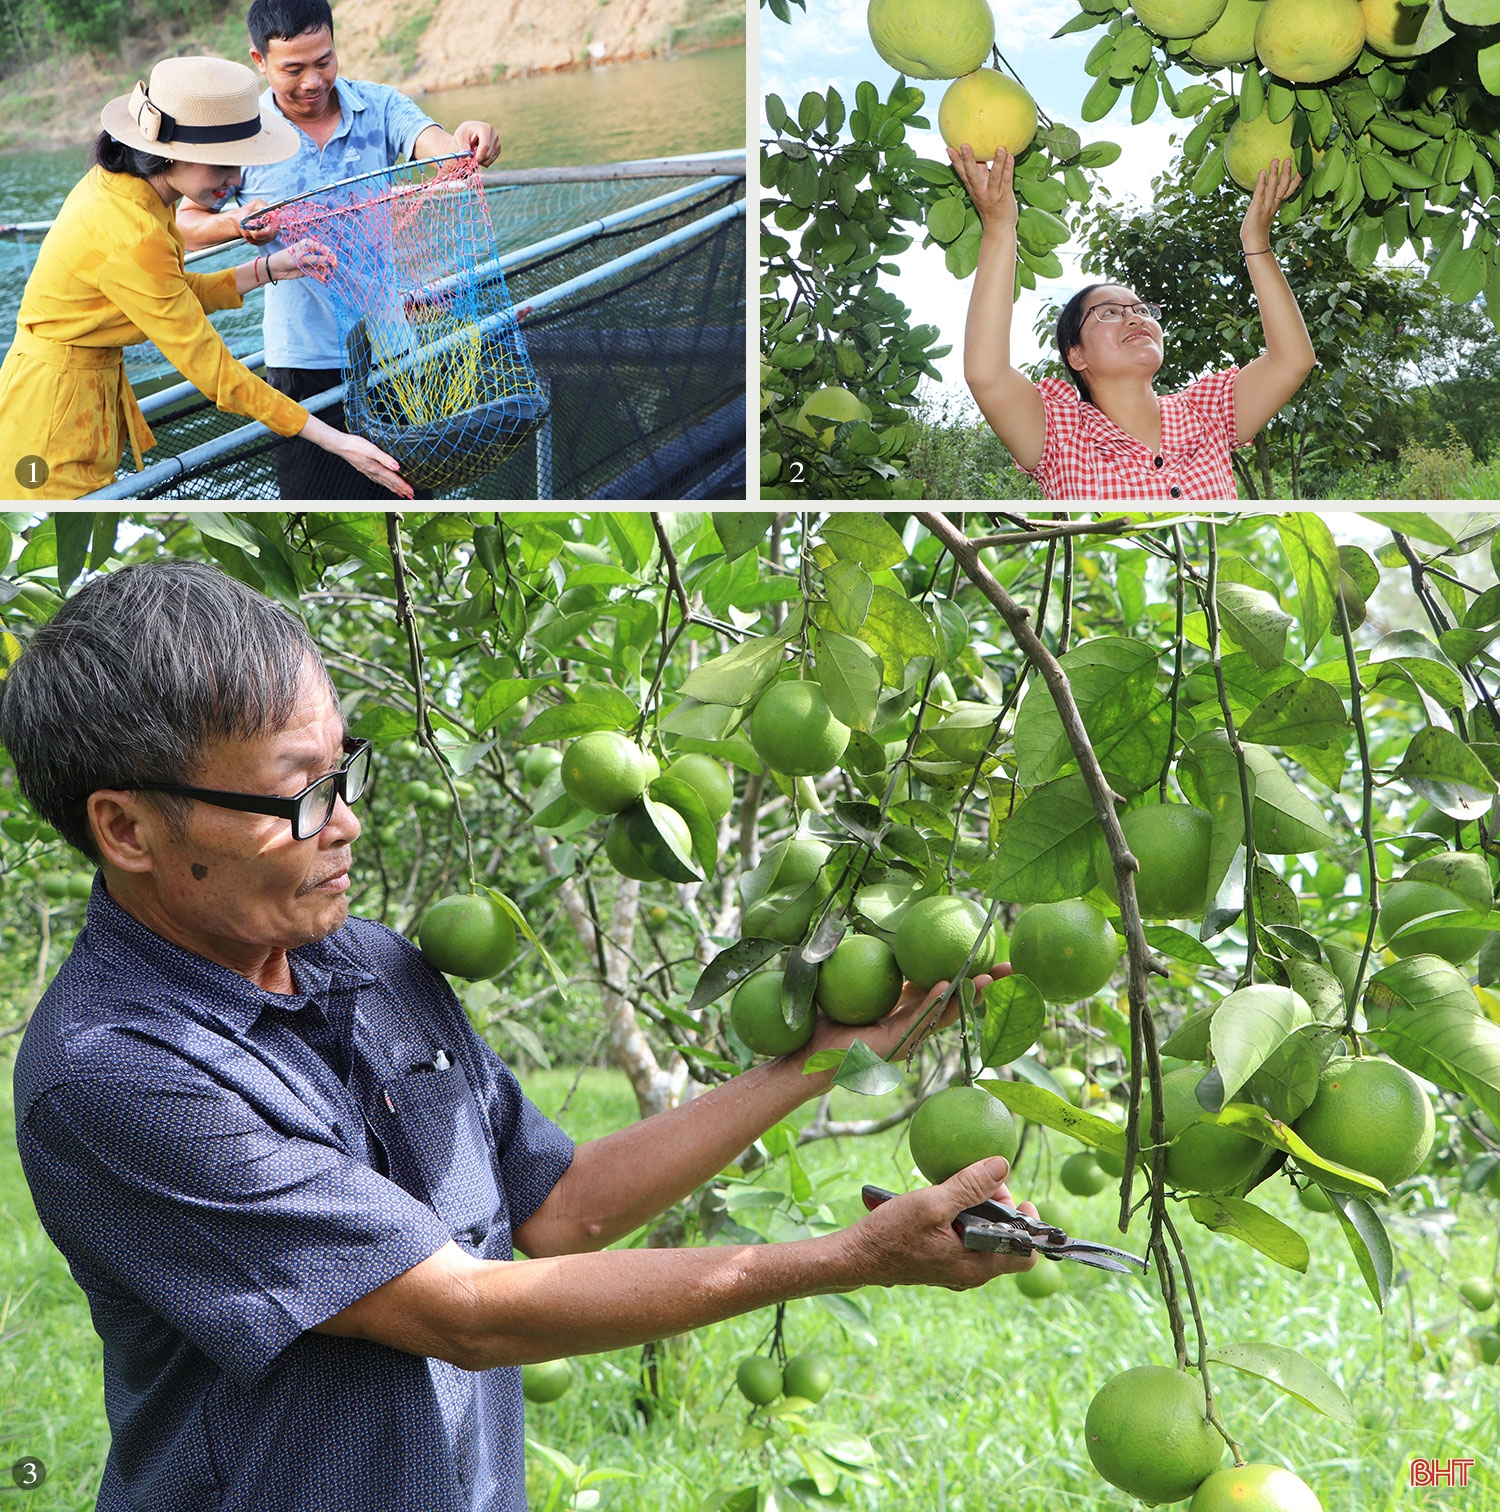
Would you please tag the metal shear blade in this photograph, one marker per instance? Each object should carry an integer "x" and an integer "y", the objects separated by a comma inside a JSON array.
[{"x": 998, "y": 1229}]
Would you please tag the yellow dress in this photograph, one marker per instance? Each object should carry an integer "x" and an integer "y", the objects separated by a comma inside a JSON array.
[{"x": 110, "y": 274}]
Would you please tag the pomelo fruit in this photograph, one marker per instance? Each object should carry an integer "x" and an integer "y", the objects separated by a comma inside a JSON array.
[
  {"x": 824, "y": 410},
  {"x": 1044, "y": 1279},
  {"x": 1146, "y": 1433},
  {"x": 1371, "y": 1115},
  {"x": 988, "y": 110},
  {"x": 1200, "y": 1157},
  {"x": 809, "y": 1376},
  {"x": 1178, "y": 18},
  {"x": 1309, "y": 41},
  {"x": 1254, "y": 1488},
  {"x": 759, "y": 1380},
  {"x": 546, "y": 1380},
  {"x": 1069, "y": 949},
  {"x": 795, "y": 732},
  {"x": 860, "y": 982},
  {"x": 1406, "y": 900},
  {"x": 755, "y": 1012},
  {"x": 1249, "y": 149},
  {"x": 936, "y": 934},
  {"x": 1231, "y": 39},
  {"x": 957, "y": 1126},
  {"x": 605, "y": 771},
  {"x": 708, "y": 779},
  {"x": 467, "y": 935},
  {"x": 932, "y": 39},
  {"x": 1392, "y": 28},
  {"x": 1171, "y": 842}
]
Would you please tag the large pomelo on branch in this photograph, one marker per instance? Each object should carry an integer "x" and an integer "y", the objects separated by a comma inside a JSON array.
[
  {"x": 821, "y": 414},
  {"x": 1391, "y": 28},
  {"x": 1308, "y": 41},
  {"x": 1252, "y": 146},
  {"x": 1231, "y": 39},
  {"x": 932, "y": 39},
  {"x": 988, "y": 110},
  {"x": 1178, "y": 18}
]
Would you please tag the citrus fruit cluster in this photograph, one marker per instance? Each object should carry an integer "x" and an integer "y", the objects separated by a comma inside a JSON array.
[
  {"x": 606, "y": 772},
  {"x": 1147, "y": 1432},
  {"x": 761, "y": 1380},
  {"x": 925, "y": 39}
]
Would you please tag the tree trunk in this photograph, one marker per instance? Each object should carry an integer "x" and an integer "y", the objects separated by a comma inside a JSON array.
[{"x": 1263, "y": 461}]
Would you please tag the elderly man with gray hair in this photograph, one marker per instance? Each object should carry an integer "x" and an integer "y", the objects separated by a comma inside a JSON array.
[{"x": 284, "y": 1169}]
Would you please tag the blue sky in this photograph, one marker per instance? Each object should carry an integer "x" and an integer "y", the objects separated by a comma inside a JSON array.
[{"x": 831, "y": 45}]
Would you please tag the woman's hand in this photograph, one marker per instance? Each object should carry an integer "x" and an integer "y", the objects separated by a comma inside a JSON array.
[
  {"x": 991, "y": 186},
  {"x": 1272, "y": 188},
  {"x": 376, "y": 465},
  {"x": 306, "y": 257}
]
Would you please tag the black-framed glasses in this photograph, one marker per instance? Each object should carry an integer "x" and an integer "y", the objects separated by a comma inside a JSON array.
[
  {"x": 1109, "y": 312},
  {"x": 310, "y": 810}
]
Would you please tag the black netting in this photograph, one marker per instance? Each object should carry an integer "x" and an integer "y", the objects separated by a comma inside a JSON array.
[{"x": 644, "y": 372}]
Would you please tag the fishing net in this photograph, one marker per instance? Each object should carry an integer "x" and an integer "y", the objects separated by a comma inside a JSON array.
[
  {"x": 644, "y": 367},
  {"x": 435, "y": 368}
]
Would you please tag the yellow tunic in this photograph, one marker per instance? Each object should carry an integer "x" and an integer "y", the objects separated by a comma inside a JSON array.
[{"x": 110, "y": 274}]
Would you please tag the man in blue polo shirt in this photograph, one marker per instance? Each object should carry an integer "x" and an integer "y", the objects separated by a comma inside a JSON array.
[
  {"x": 282, "y": 1166},
  {"x": 346, "y": 128}
]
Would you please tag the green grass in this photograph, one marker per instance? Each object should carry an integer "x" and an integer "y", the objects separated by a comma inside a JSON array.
[{"x": 973, "y": 1400}]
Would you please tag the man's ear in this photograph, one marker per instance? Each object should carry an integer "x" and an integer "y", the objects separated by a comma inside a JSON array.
[
  {"x": 256, "y": 58},
  {"x": 128, "y": 829}
]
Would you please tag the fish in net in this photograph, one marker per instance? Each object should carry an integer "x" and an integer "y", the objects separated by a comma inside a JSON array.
[{"x": 435, "y": 368}]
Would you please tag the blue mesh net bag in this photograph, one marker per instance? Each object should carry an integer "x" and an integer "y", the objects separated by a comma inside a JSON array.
[{"x": 435, "y": 368}]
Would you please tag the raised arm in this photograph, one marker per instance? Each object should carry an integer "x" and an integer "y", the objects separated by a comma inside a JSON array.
[
  {"x": 1261, "y": 387},
  {"x": 1006, "y": 397}
]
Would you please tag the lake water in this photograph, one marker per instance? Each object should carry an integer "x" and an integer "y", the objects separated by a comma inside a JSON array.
[{"x": 660, "y": 107}]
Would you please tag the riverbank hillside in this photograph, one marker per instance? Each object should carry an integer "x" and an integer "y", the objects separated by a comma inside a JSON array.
[{"x": 61, "y": 59}]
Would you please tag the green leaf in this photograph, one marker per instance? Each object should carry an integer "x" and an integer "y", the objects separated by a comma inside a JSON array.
[
  {"x": 851, "y": 1315},
  {"x": 1176, "y": 945},
  {"x": 849, "y": 674},
  {"x": 1014, "y": 1013},
  {"x": 1489, "y": 67},
  {"x": 861, "y": 1070},
  {"x": 1314, "y": 559},
  {"x": 75, "y": 532},
  {"x": 1100, "y": 100},
  {"x": 501, "y": 697},
  {"x": 1368, "y": 1242},
  {"x": 740, "y": 676},
  {"x": 1210, "y": 775},
  {"x": 564, "y": 721},
  {"x": 1308, "y": 712},
  {"x": 1439, "y": 767},
  {"x": 1248, "y": 1026},
  {"x": 740, "y": 534},
  {"x": 1409, "y": 652},
  {"x": 849, "y": 588},
  {"x": 1255, "y": 622},
  {"x": 1038, "y": 1105},
  {"x": 1256, "y": 1123},
  {"x": 945, "y": 218},
  {"x": 731, "y": 967},
  {"x": 1430, "y": 1023},
  {"x": 1286, "y": 820},
  {"x": 865, "y": 538},
  {"x": 1114, "y": 686},
  {"x": 1291, "y": 1372},
  {"x": 1421, "y": 526},
  {"x": 1253, "y": 1226},
  {"x": 1046, "y": 850},
  {"x": 688, "y": 802},
  {"x": 897, "y": 631}
]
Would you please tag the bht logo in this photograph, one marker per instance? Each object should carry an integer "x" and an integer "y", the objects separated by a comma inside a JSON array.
[{"x": 1431, "y": 1472}]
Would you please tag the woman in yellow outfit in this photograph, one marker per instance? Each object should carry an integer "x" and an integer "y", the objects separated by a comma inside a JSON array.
[{"x": 110, "y": 274}]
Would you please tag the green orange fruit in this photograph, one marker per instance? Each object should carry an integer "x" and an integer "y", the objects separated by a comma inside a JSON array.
[
  {"x": 795, "y": 732},
  {"x": 957, "y": 1126},
  {"x": 546, "y": 1380},
  {"x": 935, "y": 936},
  {"x": 1147, "y": 1433},
  {"x": 1068, "y": 950},
  {"x": 756, "y": 1013},
  {"x": 605, "y": 771},
  {"x": 467, "y": 935},
  {"x": 1371, "y": 1115},
  {"x": 860, "y": 982}
]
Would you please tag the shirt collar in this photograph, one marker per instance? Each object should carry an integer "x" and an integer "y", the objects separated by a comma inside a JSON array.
[
  {"x": 1180, "y": 429},
  {"x": 137, "y": 191},
  {"x": 318, "y": 969},
  {"x": 349, "y": 98}
]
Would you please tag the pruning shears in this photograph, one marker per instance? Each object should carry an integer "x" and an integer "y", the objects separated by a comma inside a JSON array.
[{"x": 1006, "y": 1230}]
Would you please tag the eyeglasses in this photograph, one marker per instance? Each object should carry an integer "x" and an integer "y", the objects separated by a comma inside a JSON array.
[
  {"x": 310, "y": 810},
  {"x": 1109, "y": 313}
]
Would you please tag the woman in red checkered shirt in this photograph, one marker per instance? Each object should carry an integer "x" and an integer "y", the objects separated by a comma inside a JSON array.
[{"x": 1109, "y": 434}]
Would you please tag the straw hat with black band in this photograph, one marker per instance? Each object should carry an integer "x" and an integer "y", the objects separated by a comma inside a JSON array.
[{"x": 200, "y": 110}]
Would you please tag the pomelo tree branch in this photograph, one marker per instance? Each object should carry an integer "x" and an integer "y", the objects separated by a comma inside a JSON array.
[
  {"x": 1142, "y": 961},
  {"x": 1367, "y": 808}
]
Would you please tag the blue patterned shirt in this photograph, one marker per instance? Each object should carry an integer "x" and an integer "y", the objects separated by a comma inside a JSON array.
[
  {"x": 225, "y": 1167},
  {"x": 377, "y": 126}
]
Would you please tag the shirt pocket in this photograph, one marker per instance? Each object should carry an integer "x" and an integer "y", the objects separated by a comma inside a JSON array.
[{"x": 441, "y": 1156}]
